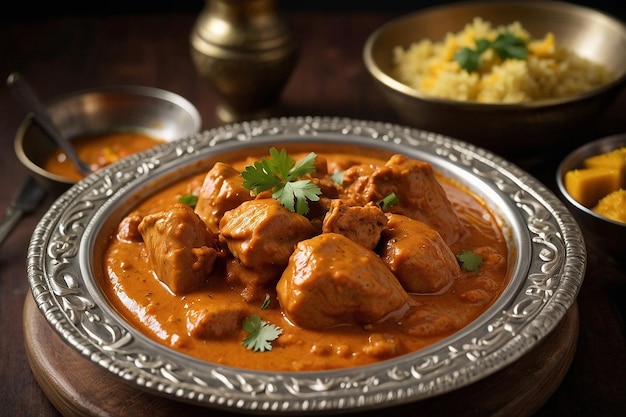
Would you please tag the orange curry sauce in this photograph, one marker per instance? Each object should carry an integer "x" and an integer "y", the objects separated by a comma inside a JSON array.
[
  {"x": 153, "y": 309},
  {"x": 99, "y": 150}
]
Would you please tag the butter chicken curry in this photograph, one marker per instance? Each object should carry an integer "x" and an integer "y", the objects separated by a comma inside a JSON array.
[{"x": 342, "y": 260}]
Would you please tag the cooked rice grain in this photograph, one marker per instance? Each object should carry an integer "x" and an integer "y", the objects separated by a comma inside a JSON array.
[{"x": 550, "y": 70}]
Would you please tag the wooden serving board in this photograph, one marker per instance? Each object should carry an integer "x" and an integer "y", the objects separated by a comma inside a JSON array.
[{"x": 77, "y": 387}]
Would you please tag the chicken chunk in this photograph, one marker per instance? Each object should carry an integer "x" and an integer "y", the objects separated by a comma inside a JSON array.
[
  {"x": 383, "y": 346},
  {"x": 321, "y": 167},
  {"x": 331, "y": 280},
  {"x": 181, "y": 250},
  {"x": 419, "y": 194},
  {"x": 262, "y": 232},
  {"x": 329, "y": 191},
  {"x": 361, "y": 224},
  {"x": 216, "y": 321},
  {"x": 417, "y": 255},
  {"x": 319, "y": 208},
  {"x": 256, "y": 282},
  {"x": 128, "y": 230},
  {"x": 222, "y": 190}
]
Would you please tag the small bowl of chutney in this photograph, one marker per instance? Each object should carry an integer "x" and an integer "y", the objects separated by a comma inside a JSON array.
[
  {"x": 592, "y": 183},
  {"x": 104, "y": 124}
]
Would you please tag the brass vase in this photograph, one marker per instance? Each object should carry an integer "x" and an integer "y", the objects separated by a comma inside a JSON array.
[{"x": 246, "y": 51}]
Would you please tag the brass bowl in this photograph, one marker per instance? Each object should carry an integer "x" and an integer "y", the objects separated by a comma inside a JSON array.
[
  {"x": 158, "y": 113},
  {"x": 605, "y": 233},
  {"x": 246, "y": 51},
  {"x": 509, "y": 129}
]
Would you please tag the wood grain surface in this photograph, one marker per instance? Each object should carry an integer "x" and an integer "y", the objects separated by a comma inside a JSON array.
[{"x": 79, "y": 388}]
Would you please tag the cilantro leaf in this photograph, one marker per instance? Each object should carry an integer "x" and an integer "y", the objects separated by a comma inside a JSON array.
[
  {"x": 482, "y": 45},
  {"x": 189, "y": 199},
  {"x": 468, "y": 59},
  {"x": 280, "y": 174},
  {"x": 509, "y": 46},
  {"x": 337, "y": 177},
  {"x": 260, "y": 333},
  {"x": 304, "y": 166},
  {"x": 389, "y": 201},
  {"x": 259, "y": 177},
  {"x": 469, "y": 261},
  {"x": 506, "y": 45},
  {"x": 266, "y": 302},
  {"x": 280, "y": 162},
  {"x": 294, "y": 195}
]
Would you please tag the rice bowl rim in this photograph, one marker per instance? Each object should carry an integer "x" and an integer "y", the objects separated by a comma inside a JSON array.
[{"x": 402, "y": 88}]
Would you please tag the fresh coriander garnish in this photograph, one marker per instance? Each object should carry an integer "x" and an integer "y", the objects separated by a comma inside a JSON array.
[
  {"x": 389, "y": 201},
  {"x": 469, "y": 261},
  {"x": 266, "y": 302},
  {"x": 506, "y": 45},
  {"x": 509, "y": 46},
  {"x": 280, "y": 174},
  {"x": 189, "y": 199},
  {"x": 337, "y": 177},
  {"x": 260, "y": 333},
  {"x": 468, "y": 58}
]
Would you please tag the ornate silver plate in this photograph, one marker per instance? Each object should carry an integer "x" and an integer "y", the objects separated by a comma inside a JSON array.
[{"x": 547, "y": 267}]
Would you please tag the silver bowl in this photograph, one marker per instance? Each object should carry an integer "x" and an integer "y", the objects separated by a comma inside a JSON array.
[
  {"x": 609, "y": 235},
  {"x": 152, "y": 111},
  {"x": 546, "y": 269},
  {"x": 507, "y": 129}
]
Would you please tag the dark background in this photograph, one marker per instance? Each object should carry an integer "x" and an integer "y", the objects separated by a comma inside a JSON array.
[{"x": 11, "y": 10}]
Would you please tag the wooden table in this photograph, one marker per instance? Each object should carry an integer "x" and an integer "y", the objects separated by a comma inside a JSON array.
[{"x": 64, "y": 54}]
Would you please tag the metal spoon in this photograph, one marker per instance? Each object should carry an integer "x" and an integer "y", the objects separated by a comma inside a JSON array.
[
  {"x": 26, "y": 95},
  {"x": 24, "y": 202}
]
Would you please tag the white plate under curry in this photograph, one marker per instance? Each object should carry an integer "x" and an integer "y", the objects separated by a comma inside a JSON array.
[{"x": 547, "y": 265}]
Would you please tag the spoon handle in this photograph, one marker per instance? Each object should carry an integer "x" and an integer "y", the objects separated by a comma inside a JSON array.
[
  {"x": 24, "y": 202},
  {"x": 26, "y": 95}
]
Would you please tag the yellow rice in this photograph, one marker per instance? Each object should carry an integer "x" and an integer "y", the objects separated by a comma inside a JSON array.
[{"x": 549, "y": 71}]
